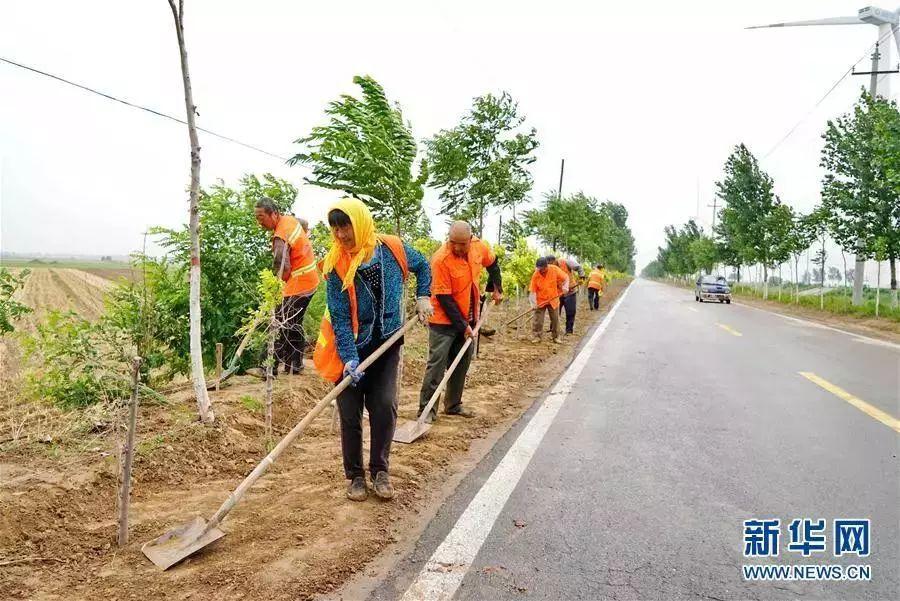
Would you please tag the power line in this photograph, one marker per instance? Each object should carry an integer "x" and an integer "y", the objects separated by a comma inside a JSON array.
[
  {"x": 142, "y": 108},
  {"x": 822, "y": 99}
]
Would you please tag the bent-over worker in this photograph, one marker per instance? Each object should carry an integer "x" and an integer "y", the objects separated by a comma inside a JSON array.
[
  {"x": 596, "y": 283},
  {"x": 455, "y": 296},
  {"x": 295, "y": 263},
  {"x": 548, "y": 284},
  {"x": 575, "y": 272},
  {"x": 365, "y": 274}
]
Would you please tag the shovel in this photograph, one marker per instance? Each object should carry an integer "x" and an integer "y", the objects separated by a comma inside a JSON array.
[
  {"x": 179, "y": 543},
  {"x": 410, "y": 431}
]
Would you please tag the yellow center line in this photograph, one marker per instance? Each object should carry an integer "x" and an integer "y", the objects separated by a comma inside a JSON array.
[
  {"x": 729, "y": 329},
  {"x": 885, "y": 418}
]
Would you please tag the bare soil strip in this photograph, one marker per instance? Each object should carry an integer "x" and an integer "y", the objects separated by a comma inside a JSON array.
[{"x": 296, "y": 535}]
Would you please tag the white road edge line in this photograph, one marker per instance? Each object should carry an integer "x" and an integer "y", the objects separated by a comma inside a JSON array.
[
  {"x": 823, "y": 326},
  {"x": 445, "y": 570}
]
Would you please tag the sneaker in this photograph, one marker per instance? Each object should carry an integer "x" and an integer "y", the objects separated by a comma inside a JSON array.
[
  {"x": 557, "y": 341},
  {"x": 462, "y": 412},
  {"x": 383, "y": 488},
  {"x": 535, "y": 340},
  {"x": 357, "y": 490}
]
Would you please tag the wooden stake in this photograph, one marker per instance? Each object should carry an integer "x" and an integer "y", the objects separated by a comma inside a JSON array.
[
  {"x": 218, "y": 365},
  {"x": 127, "y": 456}
]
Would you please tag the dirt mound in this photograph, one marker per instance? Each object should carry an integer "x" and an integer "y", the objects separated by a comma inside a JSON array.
[{"x": 295, "y": 535}]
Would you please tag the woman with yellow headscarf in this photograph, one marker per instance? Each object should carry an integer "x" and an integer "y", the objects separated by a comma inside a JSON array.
[{"x": 365, "y": 273}]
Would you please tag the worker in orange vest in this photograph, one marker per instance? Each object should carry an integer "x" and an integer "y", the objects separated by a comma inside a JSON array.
[
  {"x": 295, "y": 263},
  {"x": 574, "y": 272},
  {"x": 365, "y": 273},
  {"x": 596, "y": 284},
  {"x": 548, "y": 284},
  {"x": 455, "y": 296}
]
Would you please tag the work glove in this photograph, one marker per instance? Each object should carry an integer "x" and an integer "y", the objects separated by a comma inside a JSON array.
[
  {"x": 350, "y": 369},
  {"x": 424, "y": 309},
  {"x": 468, "y": 333},
  {"x": 532, "y": 300}
]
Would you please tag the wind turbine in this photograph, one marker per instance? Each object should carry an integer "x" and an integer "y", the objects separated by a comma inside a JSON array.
[{"x": 888, "y": 23}]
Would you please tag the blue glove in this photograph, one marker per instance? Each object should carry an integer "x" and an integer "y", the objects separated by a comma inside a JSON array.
[{"x": 350, "y": 369}]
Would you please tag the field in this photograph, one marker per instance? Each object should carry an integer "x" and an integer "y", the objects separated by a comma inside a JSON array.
[{"x": 294, "y": 536}]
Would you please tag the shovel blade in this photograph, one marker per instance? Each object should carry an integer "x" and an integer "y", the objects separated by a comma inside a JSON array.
[
  {"x": 180, "y": 542},
  {"x": 410, "y": 431}
]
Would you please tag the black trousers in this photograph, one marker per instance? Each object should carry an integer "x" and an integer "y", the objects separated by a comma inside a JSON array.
[
  {"x": 569, "y": 303},
  {"x": 377, "y": 392},
  {"x": 593, "y": 299},
  {"x": 444, "y": 344},
  {"x": 290, "y": 342}
]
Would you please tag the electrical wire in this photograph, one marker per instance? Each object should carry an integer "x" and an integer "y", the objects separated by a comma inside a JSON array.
[
  {"x": 827, "y": 94},
  {"x": 141, "y": 108}
]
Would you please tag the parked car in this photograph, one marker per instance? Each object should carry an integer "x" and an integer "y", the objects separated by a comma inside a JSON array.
[{"x": 713, "y": 288}]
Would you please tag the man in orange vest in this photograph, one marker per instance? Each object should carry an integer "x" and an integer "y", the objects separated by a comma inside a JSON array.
[
  {"x": 456, "y": 299},
  {"x": 548, "y": 284},
  {"x": 596, "y": 283},
  {"x": 574, "y": 272},
  {"x": 295, "y": 264}
]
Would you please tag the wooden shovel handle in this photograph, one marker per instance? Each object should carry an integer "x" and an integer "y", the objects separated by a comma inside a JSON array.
[
  {"x": 452, "y": 368},
  {"x": 297, "y": 430}
]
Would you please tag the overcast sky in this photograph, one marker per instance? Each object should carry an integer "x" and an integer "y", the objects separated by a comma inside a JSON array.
[{"x": 643, "y": 100}]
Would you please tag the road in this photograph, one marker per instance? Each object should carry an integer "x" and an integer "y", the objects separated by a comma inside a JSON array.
[{"x": 676, "y": 422}]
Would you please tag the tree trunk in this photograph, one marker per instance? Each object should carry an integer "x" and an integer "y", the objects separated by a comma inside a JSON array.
[
  {"x": 858, "y": 273},
  {"x": 397, "y": 225},
  {"x": 765, "y": 269},
  {"x": 739, "y": 273},
  {"x": 780, "y": 281},
  {"x": 796, "y": 279},
  {"x": 877, "y": 286},
  {"x": 197, "y": 374},
  {"x": 893, "y": 263},
  {"x": 822, "y": 278},
  {"x": 844, "y": 259}
]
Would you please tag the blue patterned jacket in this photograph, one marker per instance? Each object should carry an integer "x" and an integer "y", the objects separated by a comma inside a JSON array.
[{"x": 392, "y": 288}]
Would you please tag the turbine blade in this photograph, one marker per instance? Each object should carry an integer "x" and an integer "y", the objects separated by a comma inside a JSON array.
[
  {"x": 829, "y": 21},
  {"x": 896, "y": 30}
]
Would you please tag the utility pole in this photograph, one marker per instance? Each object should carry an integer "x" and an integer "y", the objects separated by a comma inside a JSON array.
[
  {"x": 714, "y": 206},
  {"x": 562, "y": 168},
  {"x": 879, "y": 67}
]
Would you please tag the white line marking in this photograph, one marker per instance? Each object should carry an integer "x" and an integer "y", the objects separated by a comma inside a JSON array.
[
  {"x": 824, "y": 327},
  {"x": 445, "y": 570}
]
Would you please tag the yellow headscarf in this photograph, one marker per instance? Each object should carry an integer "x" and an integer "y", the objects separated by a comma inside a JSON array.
[{"x": 364, "y": 232}]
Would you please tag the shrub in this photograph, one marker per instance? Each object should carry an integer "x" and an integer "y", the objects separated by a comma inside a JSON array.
[{"x": 11, "y": 310}]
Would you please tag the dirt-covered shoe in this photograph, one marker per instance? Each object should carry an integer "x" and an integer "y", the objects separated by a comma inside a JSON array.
[
  {"x": 557, "y": 341},
  {"x": 357, "y": 490},
  {"x": 486, "y": 331},
  {"x": 383, "y": 488},
  {"x": 462, "y": 412}
]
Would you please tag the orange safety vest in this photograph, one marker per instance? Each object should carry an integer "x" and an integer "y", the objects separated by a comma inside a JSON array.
[
  {"x": 325, "y": 356},
  {"x": 548, "y": 287},
  {"x": 597, "y": 279},
  {"x": 460, "y": 278},
  {"x": 303, "y": 279}
]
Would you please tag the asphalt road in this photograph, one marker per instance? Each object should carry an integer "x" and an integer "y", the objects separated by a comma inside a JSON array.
[{"x": 681, "y": 421}]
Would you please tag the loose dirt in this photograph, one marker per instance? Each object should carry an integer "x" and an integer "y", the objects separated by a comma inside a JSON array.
[{"x": 294, "y": 536}]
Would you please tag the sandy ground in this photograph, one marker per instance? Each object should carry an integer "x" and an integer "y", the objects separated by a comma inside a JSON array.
[{"x": 293, "y": 537}]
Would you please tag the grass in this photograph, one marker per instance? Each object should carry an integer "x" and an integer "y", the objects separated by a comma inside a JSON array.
[
  {"x": 834, "y": 301},
  {"x": 251, "y": 403}
]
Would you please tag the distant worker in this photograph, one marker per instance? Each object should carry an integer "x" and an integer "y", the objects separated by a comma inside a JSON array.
[
  {"x": 575, "y": 272},
  {"x": 295, "y": 263},
  {"x": 596, "y": 284},
  {"x": 548, "y": 284},
  {"x": 365, "y": 274},
  {"x": 456, "y": 299}
]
